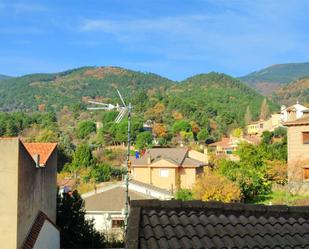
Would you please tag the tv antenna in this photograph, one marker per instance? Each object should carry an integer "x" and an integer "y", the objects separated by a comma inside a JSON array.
[{"x": 123, "y": 110}]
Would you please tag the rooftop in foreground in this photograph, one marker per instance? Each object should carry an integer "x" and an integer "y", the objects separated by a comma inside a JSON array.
[{"x": 157, "y": 224}]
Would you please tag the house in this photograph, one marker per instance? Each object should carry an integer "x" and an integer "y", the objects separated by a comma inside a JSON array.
[
  {"x": 168, "y": 168},
  {"x": 292, "y": 112},
  {"x": 228, "y": 145},
  {"x": 298, "y": 153},
  {"x": 106, "y": 205},
  {"x": 225, "y": 146},
  {"x": 148, "y": 125},
  {"x": 258, "y": 127},
  {"x": 195, "y": 224},
  {"x": 28, "y": 174}
]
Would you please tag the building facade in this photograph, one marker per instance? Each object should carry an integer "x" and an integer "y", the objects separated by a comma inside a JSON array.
[
  {"x": 28, "y": 187},
  {"x": 298, "y": 154},
  {"x": 168, "y": 168}
]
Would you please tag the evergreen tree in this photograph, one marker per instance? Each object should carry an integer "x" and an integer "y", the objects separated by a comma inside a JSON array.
[
  {"x": 264, "y": 114},
  {"x": 248, "y": 116}
]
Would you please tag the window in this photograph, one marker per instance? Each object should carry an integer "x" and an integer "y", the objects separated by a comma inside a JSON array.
[
  {"x": 164, "y": 172},
  {"x": 306, "y": 173},
  {"x": 117, "y": 223},
  {"x": 306, "y": 137}
]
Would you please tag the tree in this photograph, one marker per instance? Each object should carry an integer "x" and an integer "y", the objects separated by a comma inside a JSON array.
[
  {"x": 186, "y": 136},
  {"x": 237, "y": 132},
  {"x": 84, "y": 128},
  {"x": 101, "y": 173},
  {"x": 143, "y": 140},
  {"x": 214, "y": 187},
  {"x": 264, "y": 114},
  {"x": 82, "y": 157},
  {"x": 248, "y": 116},
  {"x": 160, "y": 130},
  {"x": 202, "y": 135},
  {"x": 76, "y": 231},
  {"x": 46, "y": 136},
  {"x": 249, "y": 173},
  {"x": 181, "y": 125}
]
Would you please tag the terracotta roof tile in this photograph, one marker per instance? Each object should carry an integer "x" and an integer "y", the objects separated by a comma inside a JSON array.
[
  {"x": 43, "y": 149},
  {"x": 300, "y": 121}
]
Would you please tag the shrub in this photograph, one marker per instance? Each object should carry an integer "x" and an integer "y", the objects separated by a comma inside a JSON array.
[
  {"x": 214, "y": 187},
  {"x": 184, "y": 195}
]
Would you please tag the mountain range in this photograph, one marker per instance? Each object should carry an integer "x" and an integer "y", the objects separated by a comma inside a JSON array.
[
  {"x": 282, "y": 83},
  {"x": 272, "y": 78}
]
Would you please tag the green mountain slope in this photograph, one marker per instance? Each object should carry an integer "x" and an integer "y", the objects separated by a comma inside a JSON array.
[
  {"x": 216, "y": 96},
  {"x": 269, "y": 79},
  {"x": 71, "y": 87},
  {"x": 297, "y": 90},
  {"x": 4, "y": 77}
]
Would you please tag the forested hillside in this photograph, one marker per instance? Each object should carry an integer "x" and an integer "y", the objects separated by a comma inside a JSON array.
[
  {"x": 53, "y": 91},
  {"x": 215, "y": 102},
  {"x": 271, "y": 78},
  {"x": 298, "y": 90}
]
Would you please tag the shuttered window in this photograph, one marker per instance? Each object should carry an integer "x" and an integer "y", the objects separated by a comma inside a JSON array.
[
  {"x": 306, "y": 137},
  {"x": 306, "y": 173}
]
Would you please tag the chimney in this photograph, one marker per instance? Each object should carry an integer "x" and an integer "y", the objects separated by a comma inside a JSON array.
[
  {"x": 291, "y": 115},
  {"x": 36, "y": 158}
]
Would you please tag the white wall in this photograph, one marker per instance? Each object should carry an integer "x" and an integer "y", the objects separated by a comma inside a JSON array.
[
  {"x": 102, "y": 220},
  {"x": 149, "y": 191},
  {"x": 49, "y": 237}
]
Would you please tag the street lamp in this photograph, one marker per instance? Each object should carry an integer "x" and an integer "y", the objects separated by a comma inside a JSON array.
[{"x": 123, "y": 110}]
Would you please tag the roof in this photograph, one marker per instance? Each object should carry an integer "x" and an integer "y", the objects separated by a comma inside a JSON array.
[
  {"x": 252, "y": 139},
  {"x": 296, "y": 107},
  {"x": 149, "y": 186},
  {"x": 43, "y": 149},
  {"x": 111, "y": 200},
  {"x": 36, "y": 229},
  {"x": 174, "y": 224},
  {"x": 66, "y": 182},
  {"x": 225, "y": 142},
  {"x": 300, "y": 121},
  {"x": 176, "y": 156}
]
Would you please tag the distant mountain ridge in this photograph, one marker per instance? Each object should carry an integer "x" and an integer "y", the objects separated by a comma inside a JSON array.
[
  {"x": 271, "y": 78},
  {"x": 4, "y": 77}
]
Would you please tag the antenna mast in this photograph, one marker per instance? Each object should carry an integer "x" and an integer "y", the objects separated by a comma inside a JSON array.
[{"x": 123, "y": 110}]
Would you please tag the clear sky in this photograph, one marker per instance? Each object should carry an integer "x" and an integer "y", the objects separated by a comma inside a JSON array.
[{"x": 174, "y": 38}]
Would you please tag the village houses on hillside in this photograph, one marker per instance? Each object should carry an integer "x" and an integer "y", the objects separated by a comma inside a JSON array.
[
  {"x": 276, "y": 120},
  {"x": 28, "y": 173}
]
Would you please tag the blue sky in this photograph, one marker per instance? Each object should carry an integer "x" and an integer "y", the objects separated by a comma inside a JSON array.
[{"x": 174, "y": 38}]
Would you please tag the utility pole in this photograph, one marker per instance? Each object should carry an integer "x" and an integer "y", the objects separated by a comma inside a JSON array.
[{"x": 123, "y": 110}]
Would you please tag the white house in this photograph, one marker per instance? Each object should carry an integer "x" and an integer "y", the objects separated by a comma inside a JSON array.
[
  {"x": 297, "y": 109},
  {"x": 106, "y": 204}
]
